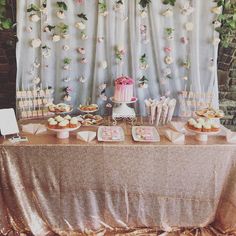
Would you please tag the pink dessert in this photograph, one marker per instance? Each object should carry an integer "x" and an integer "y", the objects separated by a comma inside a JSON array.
[
  {"x": 145, "y": 133},
  {"x": 124, "y": 89},
  {"x": 111, "y": 133}
]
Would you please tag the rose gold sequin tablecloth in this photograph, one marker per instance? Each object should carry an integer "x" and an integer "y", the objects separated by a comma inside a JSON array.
[{"x": 68, "y": 187}]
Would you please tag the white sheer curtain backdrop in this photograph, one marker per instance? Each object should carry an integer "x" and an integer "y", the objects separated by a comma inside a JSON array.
[{"x": 117, "y": 29}]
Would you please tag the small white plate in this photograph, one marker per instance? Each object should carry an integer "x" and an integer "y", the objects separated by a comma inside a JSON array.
[
  {"x": 100, "y": 132},
  {"x": 156, "y": 136}
]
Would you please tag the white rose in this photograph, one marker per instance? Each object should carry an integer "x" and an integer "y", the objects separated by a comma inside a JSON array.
[
  {"x": 100, "y": 39},
  {"x": 67, "y": 98},
  {"x": 67, "y": 79},
  {"x": 80, "y": 25},
  {"x": 28, "y": 29},
  {"x": 56, "y": 38},
  {"x": 104, "y": 64},
  {"x": 34, "y": 18},
  {"x": 46, "y": 54},
  {"x": 82, "y": 79},
  {"x": 143, "y": 85},
  {"x": 84, "y": 36},
  {"x": 46, "y": 29},
  {"x": 168, "y": 60},
  {"x": 81, "y": 50},
  {"x": 217, "y": 24},
  {"x": 66, "y": 47},
  {"x": 36, "y": 80},
  {"x": 61, "y": 15},
  {"x": 143, "y": 14},
  {"x": 44, "y": 10},
  {"x": 66, "y": 67},
  {"x": 189, "y": 26},
  {"x": 84, "y": 61},
  {"x": 35, "y": 43},
  {"x": 216, "y": 41},
  {"x": 216, "y": 10},
  {"x": 168, "y": 13},
  {"x": 66, "y": 36},
  {"x": 105, "y": 13},
  {"x": 144, "y": 66}
]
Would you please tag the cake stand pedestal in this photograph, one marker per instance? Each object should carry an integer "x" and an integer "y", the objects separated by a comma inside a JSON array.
[
  {"x": 201, "y": 136},
  {"x": 63, "y": 133},
  {"x": 123, "y": 112}
]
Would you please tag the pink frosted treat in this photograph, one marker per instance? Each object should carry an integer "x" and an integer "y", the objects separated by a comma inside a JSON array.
[{"x": 124, "y": 89}]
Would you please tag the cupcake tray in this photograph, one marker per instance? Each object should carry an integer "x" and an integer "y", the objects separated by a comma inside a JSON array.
[
  {"x": 64, "y": 133},
  {"x": 201, "y": 136}
]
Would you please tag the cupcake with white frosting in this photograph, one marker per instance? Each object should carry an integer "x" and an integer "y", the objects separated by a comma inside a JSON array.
[
  {"x": 215, "y": 127},
  {"x": 59, "y": 119},
  {"x": 68, "y": 117},
  {"x": 52, "y": 124},
  {"x": 191, "y": 123},
  {"x": 198, "y": 127},
  {"x": 206, "y": 127},
  {"x": 63, "y": 124},
  {"x": 74, "y": 122}
]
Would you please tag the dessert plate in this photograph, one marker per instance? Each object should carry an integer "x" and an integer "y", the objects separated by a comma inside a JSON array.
[
  {"x": 111, "y": 134},
  {"x": 201, "y": 132},
  {"x": 149, "y": 130},
  {"x": 201, "y": 136},
  {"x": 85, "y": 109}
]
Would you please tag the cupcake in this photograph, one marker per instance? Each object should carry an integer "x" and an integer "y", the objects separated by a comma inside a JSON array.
[
  {"x": 198, "y": 127},
  {"x": 52, "y": 124},
  {"x": 201, "y": 121},
  {"x": 50, "y": 119},
  {"x": 206, "y": 127},
  {"x": 68, "y": 117},
  {"x": 63, "y": 124},
  {"x": 215, "y": 127},
  {"x": 59, "y": 119},
  {"x": 191, "y": 123},
  {"x": 73, "y": 122}
]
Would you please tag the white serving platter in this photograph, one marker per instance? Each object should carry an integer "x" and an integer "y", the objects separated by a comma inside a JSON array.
[
  {"x": 138, "y": 139},
  {"x": 100, "y": 131},
  {"x": 64, "y": 133},
  {"x": 201, "y": 136}
]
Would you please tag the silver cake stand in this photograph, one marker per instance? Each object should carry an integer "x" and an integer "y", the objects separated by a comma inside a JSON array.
[{"x": 122, "y": 111}]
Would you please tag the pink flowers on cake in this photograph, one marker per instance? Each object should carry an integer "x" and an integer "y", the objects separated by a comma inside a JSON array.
[{"x": 124, "y": 80}]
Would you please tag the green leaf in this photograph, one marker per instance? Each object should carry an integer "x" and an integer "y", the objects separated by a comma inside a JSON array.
[
  {"x": 83, "y": 16},
  {"x": 62, "y": 6},
  {"x": 144, "y": 3},
  {"x": 6, "y": 24},
  {"x": 171, "y": 2},
  {"x": 32, "y": 7}
]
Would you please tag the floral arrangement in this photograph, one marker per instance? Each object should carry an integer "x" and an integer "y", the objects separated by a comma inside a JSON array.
[
  {"x": 124, "y": 80},
  {"x": 119, "y": 53}
]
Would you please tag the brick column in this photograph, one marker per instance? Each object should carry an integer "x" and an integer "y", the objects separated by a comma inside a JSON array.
[{"x": 227, "y": 84}]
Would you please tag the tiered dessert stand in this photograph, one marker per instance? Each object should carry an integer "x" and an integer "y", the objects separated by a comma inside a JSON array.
[
  {"x": 63, "y": 133},
  {"x": 201, "y": 136},
  {"x": 121, "y": 111}
]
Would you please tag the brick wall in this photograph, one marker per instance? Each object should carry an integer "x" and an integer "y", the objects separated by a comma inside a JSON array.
[
  {"x": 8, "y": 63},
  {"x": 7, "y": 72}
]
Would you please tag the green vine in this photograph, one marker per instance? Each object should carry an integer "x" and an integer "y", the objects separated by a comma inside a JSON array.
[
  {"x": 5, "y": 22},
  {"x": 144, "y": 3},
  {"x": 170, "y": 2},
  {"x": 227, "y": 29}
]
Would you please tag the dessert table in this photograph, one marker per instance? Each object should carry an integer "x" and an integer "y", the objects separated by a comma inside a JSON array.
[{"x": 69, "y": 187}]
